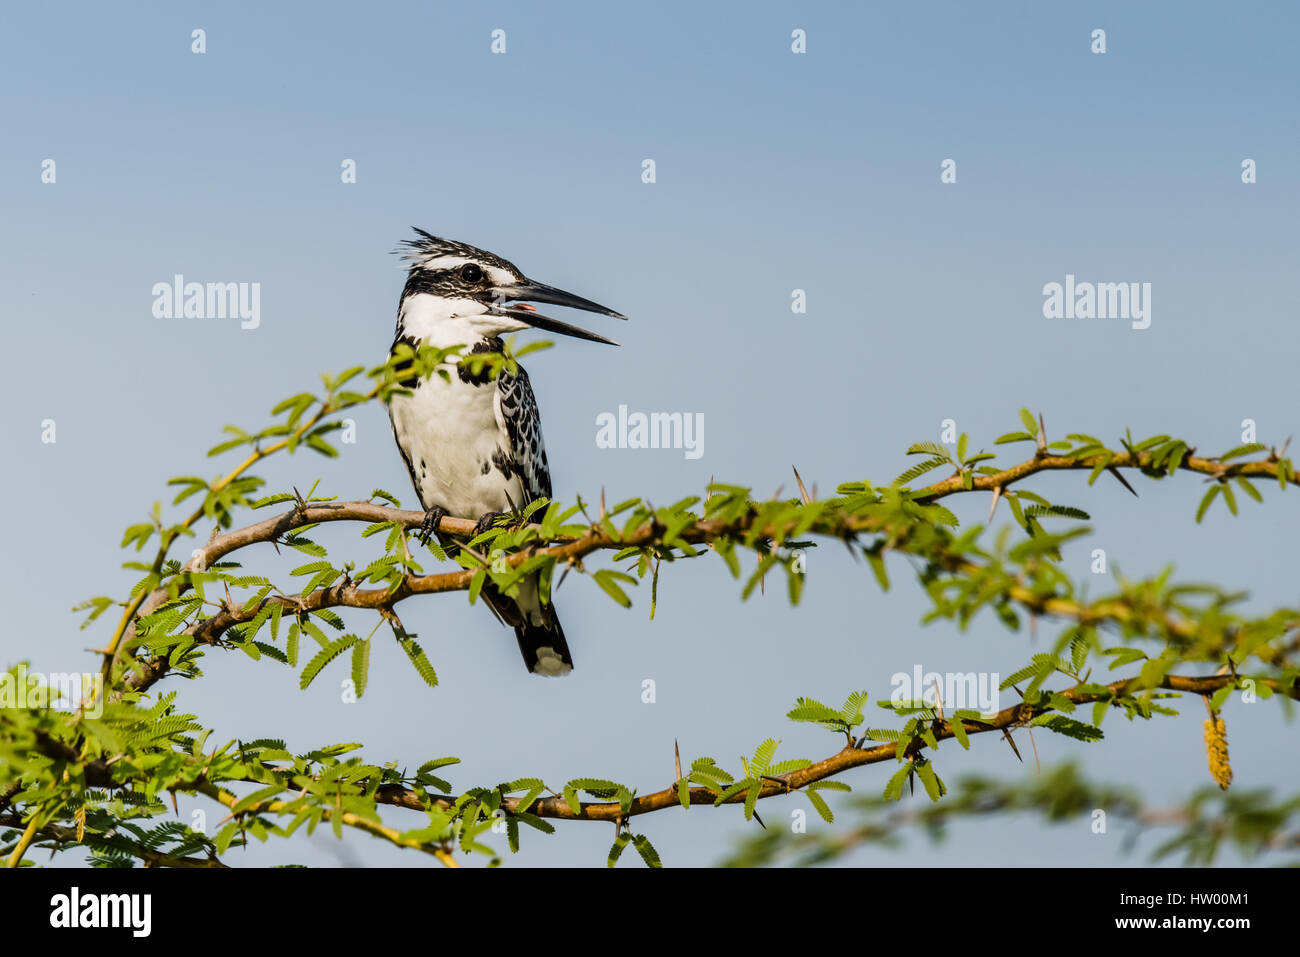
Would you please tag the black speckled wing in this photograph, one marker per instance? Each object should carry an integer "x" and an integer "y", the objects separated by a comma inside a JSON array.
[{"x": 518, "y": 414}]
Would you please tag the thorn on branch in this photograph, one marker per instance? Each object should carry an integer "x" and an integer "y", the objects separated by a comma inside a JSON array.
[
  {"x": 1006, "y": 733},
  {"x": 803, "y": 492},
  {"x": 1122, "y": 480}
]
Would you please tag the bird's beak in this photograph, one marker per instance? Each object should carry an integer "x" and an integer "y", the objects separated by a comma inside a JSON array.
[{"x": 508, "y": 301}]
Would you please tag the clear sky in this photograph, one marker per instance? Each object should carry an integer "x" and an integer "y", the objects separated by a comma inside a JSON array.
[{"x": 775, "y": 171}]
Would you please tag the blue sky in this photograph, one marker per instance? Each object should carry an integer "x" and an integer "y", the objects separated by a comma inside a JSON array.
[{"x": 775, "y": 172}]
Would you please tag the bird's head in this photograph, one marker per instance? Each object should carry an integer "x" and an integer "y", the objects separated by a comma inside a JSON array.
[{"x": 454, "y": 288}]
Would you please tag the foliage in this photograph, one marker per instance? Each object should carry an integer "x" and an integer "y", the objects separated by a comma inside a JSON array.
[
  {"x": 1251, "y": 822},
  {"x": 101, "y": 780}
]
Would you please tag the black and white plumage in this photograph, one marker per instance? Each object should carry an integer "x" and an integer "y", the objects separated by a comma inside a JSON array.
[{"x": 473, "y": 445}]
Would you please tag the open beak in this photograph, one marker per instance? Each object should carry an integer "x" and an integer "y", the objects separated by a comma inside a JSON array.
[{"x": 510, "y": 301}]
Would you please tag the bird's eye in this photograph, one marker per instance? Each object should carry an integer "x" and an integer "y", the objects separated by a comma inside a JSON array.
[{"x": 471, "y": 273}]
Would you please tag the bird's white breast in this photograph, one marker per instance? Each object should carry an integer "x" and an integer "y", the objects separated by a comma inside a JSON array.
[{"x": 450, "y": 433}]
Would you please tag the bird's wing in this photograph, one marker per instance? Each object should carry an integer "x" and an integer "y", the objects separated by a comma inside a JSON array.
[{"x": 517, "y": 415}]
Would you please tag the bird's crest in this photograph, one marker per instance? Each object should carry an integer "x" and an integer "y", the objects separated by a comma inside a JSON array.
[{"x": 428, "y": 248}]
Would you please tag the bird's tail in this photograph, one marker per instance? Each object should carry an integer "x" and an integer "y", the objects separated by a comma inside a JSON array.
[
  {"x": 537, "y": 627},
  {"x": 542, "y": 644},
  {"x": 544, "y": 649}
]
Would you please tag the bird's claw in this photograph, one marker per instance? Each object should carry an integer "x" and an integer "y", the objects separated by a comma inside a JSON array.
[
  {"x": 486, "y": 521},
  {"x": 432, "y": 519}
]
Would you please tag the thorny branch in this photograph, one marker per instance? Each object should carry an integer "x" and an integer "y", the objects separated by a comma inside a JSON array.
[
  {"x": 566, "y": 551},
  {"x": 850, "y": 757},
  {"x": 569, "y": 550}
]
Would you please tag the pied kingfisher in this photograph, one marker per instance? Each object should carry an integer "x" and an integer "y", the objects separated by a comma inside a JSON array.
[{"x": 473, "y": 445}]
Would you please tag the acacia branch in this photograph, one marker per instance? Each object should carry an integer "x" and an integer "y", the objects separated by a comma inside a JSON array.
[
  {"x": 571, "y": 550},
  {"x": 347, "y": 818},
  {"x": 61, "y": 835},
  {"x": 1218, "y": 471},
  {"x": 704, "y": 530},
  {"x": 141, "y": 602},
  {"x": 396, "y": 795},
  {"x": 850, "y": 757}
]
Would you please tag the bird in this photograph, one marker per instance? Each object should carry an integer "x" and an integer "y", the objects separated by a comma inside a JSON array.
[{"x": 471, "y": 443}]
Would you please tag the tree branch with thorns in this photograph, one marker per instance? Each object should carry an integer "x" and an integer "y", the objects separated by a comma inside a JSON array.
[{"x": 93, "y": 780}]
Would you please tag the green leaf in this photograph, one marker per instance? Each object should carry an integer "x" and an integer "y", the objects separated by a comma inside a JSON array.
[
  {"x": 599, "y": 788},
  {"x": 225, "y": 836},
  {"x": 933, "y": 786},
  {"x": 1154, "y": 671},
  {"x": 647, "y": 851},
  {"x": 894, "y": 787},
  {"x": 272, "y": 500},
  {"x": 1014, "y": 437},
  {"x": 959, "y": 732},
  {"x": 360, "y": 666},
  {"x": 706, "y": 771},
  {"x": 1064, "y": 511},
  {"x": 916, "y": 471},
  {"x": 476, "y": 584},
  {"x": 139, "y": 534},
  {"x": 257, "y": 797},
  {"x": 608, "y": 580},
  {"x": 927, "y": 448},
  {"x": 291, "y": 644},
  {"x": 616, "y": 851},
  {"x": 751, "y": 797},
  {"x": 323, "y": 657},
  {"x": 731, "y": 791},
  {"x": 314, "y": 441},
  {"x": 272, "y": 652},
  {"x": 822, "y": 807},
  {"x": 1068, "y": 727},
  {"x": 1123, "y": 656},
  {"x": 575, "y": 803},
  {"x": 807, "y": 709},
  {"x": 422, "y": 666},
  {"x": 763, "y": 755},
  {"x": 389, "y": 496},
  {"x": 1241, "y": 450},
  {"x": 97, "y": 605},
  {"x": 241, "y": 438},
  {"x": 877, "y": 562},
  {"x": 1031, "y": 424},
  {"x": 1205, "y": 502},
  {"x": 854, "y": 707}
]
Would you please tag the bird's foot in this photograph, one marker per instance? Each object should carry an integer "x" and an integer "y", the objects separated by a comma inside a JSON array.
[
  {"x": 432, "y": 519},
  {"x": 488, "y": 520}
]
